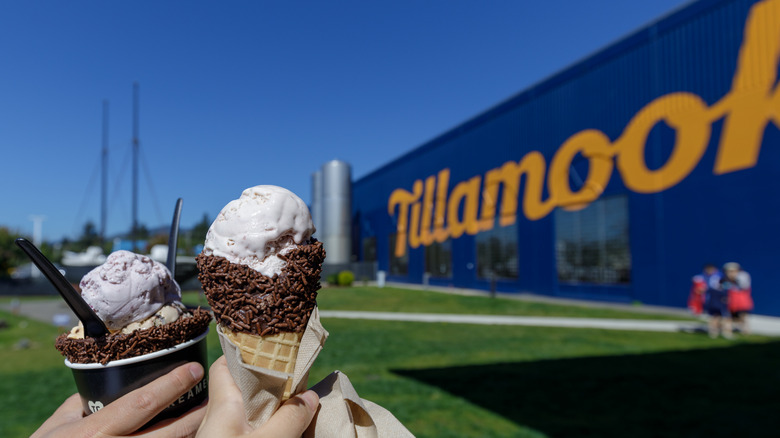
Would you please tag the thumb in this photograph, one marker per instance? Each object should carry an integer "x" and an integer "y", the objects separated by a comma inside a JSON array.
[{"x": 292, "y": 418}]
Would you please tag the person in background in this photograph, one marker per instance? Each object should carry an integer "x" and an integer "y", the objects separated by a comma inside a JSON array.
[
  {"x": 736, "y": 282},
  {"x": 717, "y": 303},
  {"x": 709, "y": 277},
  {"x": 696, "y": 296}
]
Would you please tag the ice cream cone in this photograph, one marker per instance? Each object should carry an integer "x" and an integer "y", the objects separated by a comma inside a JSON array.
[{"x": 274, "y": 352}]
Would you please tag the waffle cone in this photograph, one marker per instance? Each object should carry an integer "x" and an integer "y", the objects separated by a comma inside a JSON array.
[{"x": 274, "y": 352}]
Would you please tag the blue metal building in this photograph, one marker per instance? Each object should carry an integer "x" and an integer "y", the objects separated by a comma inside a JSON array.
[{"x": 616, "y": 179}]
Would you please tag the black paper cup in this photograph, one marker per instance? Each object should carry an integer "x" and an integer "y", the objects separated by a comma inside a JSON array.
[{"x": 99, "y": 385}]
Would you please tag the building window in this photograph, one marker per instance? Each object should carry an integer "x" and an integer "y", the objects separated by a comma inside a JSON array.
[
  {"x": 398, "y": 265},
  {"x": 369, "y": 249},
  {"x": 438, "y": 259},
  {"x": 497, "y": 253},
  {"x": 592, "y": 244}
]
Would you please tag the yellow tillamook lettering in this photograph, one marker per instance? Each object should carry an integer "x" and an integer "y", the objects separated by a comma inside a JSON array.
[
  {"x": 426, "y": 234},
  {"x": 403, "y": 199},
  {"x": 684, "y": 112},
  {"x": 440, "y": 232},
  {"x": 509, "y": 177},
  {"x": 466, "y": 192},
  {"x": 595, "y": 146},
  {"x": 752, "y": 103},
  {"x": 414, "y": 225}
]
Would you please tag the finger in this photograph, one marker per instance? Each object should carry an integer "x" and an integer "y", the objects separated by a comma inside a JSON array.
[
  {"x": 69, "y": 411},
  {"x": 222, "y": 387},
  {"x": 225, "y": 403},
  {"x": 292, "y": 419},
  {"x": 135, "y": 409},
  {"x": 225, "y": 412},
  {"x": 182, "y": 427}
]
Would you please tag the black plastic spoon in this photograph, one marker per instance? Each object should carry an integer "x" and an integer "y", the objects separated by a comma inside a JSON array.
[
  {"x": 93, "y": 325},
  {"x": 173, "y": 239}
]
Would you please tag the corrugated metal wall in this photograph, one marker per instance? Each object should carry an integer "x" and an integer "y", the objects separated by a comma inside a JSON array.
[{"x": 704, "y": 218}]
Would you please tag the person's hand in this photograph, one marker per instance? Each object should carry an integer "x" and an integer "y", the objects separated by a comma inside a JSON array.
[
  {"x": 225, "y": 411},
  {"x": 125, "y": 415}
]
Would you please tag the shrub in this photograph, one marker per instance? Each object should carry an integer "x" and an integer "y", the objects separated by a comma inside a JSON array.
[
  {"x": 332, "y": 279},
  {"x": 346, "y": 278}
]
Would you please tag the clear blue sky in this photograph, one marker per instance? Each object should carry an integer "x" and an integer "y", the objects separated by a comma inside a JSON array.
[{"x": 240, "y": 93}]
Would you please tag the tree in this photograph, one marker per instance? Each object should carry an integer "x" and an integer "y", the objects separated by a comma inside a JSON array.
[
  {"x": 190, "y": 239},
  {"x": 10, "y": 255},
  {"x": 140, "y": 232},
  {"x": 201, "y": 228},
  {"x": 159, "y": 239},
  {"x": 52, "y": 252},
  {"x": 89, "y": 237}
]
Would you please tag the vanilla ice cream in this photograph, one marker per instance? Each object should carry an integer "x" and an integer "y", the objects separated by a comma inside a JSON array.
[
  {"x": 131, "y": 289},
  {"x": 254, "y": 229}
]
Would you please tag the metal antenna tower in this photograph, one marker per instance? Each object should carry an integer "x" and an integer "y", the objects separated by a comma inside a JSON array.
[
  {"x": 135, "y": 165},
  {"x": 104, "y": 175}
]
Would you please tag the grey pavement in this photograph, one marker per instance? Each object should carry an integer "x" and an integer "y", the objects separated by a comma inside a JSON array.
[
  {"x": 759, "y": 325},
  {"x": 46, "y": 311}
]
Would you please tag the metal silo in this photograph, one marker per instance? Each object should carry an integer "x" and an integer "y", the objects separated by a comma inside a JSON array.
[
  {"x": 316, "y": 203},
  {"x": 336, "y": 209}
]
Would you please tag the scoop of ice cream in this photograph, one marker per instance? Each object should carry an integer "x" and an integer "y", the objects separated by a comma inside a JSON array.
[
  {"x": 166, "y": 315},
  {"x": 254, "y": 229},
  {"x": 128, "y": 288}
]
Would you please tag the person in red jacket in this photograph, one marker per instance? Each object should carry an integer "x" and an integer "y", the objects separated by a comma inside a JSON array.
[
  {"x": 709, "y": 278},
  {"x": 737, "y": 282}
]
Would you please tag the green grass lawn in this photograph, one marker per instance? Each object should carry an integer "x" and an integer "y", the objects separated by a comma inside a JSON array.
[
  {"x": 388, "y": 299},
  {"x": 33, "y": 380},
  {"x": 454, "y": 380}
]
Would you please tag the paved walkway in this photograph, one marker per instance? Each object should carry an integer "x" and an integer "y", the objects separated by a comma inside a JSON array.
[
  {"x": 48, "y": 310},
  {"x": 44, "y": 310},
  {"x": 759, "y": 325}
]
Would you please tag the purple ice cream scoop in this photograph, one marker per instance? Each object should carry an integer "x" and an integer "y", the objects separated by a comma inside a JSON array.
[{"x": 127, "y": 288}]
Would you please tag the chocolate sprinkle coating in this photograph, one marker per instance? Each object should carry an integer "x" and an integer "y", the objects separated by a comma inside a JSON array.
[
  {"x": 247, "y": 301},
  {"x": 123, "y": 346}
]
